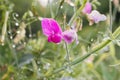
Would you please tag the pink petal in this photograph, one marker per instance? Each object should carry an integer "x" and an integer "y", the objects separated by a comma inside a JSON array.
[
  {"x": 96, "y": 17},
  {"x": 87, "y": 9},
  {"x": 69, "y": 36},
  {"x": 50, "y": 26},
  {"x": 56, "y": 38}
]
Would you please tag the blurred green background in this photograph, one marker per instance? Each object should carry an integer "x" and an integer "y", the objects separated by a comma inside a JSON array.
[{"x": 33, "y": 58}]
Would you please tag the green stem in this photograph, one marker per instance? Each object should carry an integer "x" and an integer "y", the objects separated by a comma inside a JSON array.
[
  {"x": 114, "y": 14},
  {"x": 66, "y": 46},
  {"x": 32, "y": 21},
  {"x": 35, "y": 68},
  {"x": 110, "y": 13},
  {"x": 95, "y": 49},
  {"x": 76, "y": 13},
  {"x": 58, "y": 9},
  {"x": 67, "y": 53},
  {"x": 51, "y": 10},
  {"x": 4, "y": 29}
]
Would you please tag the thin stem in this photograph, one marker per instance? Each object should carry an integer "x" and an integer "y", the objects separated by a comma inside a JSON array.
[
  {"x": 66, "y": 46},
  {"x": 4, "y": 29},
  {"x": 35, "y": 67},
  {"x": 14, "y": 17},
  {"x": 67, "y": 53},
  {"x": 61, "y": 3},
  {"x": 110, "y": 13},
  {"x": 93, "y": 50},
  {"x": 50, "y": 7},
  {"x": 114, "y": 14},
  {"x": 76, "y": 13},
  {"x": 30, "y": 31},
  {"x": 30, "y": 22}
]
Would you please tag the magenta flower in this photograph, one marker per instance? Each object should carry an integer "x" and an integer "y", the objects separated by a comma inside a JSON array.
[
  {"x": 52, "y": 30},
  {"x": 96, "y": 17},
  {"x": 87, "y": 9},
  {"x": 69, "y": 36}
]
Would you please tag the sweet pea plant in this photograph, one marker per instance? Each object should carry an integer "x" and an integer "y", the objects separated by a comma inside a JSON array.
[{"x": 66, "y": 44}]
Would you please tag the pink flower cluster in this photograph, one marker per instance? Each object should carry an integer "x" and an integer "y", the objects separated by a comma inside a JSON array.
[
  {"x": 53, "y": 31},
  {"x": 93, "y": 15}
]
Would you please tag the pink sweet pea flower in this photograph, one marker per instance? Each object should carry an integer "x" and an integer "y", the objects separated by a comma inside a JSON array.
[
  {"x": 69, "y": 36},
  {"x": 52, "y": 30},
  {"x": 96, "y": 17},
  {"x": 87, "y": 9}
]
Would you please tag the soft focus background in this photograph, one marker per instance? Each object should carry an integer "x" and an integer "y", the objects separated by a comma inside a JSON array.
[{"x": 33, "y": 58}]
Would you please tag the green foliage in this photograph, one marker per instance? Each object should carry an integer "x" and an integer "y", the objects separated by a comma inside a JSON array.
[{"x": 25, "y": 53}]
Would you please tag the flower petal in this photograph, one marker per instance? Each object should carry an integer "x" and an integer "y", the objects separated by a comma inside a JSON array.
[
  {"x": 87, "y": 9},
  {"x": 96, "y": 17},
  {"x": 69, "y": 36},
  {"x": 50, "y": 26},
  {"x": 56, "y": 38}
]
